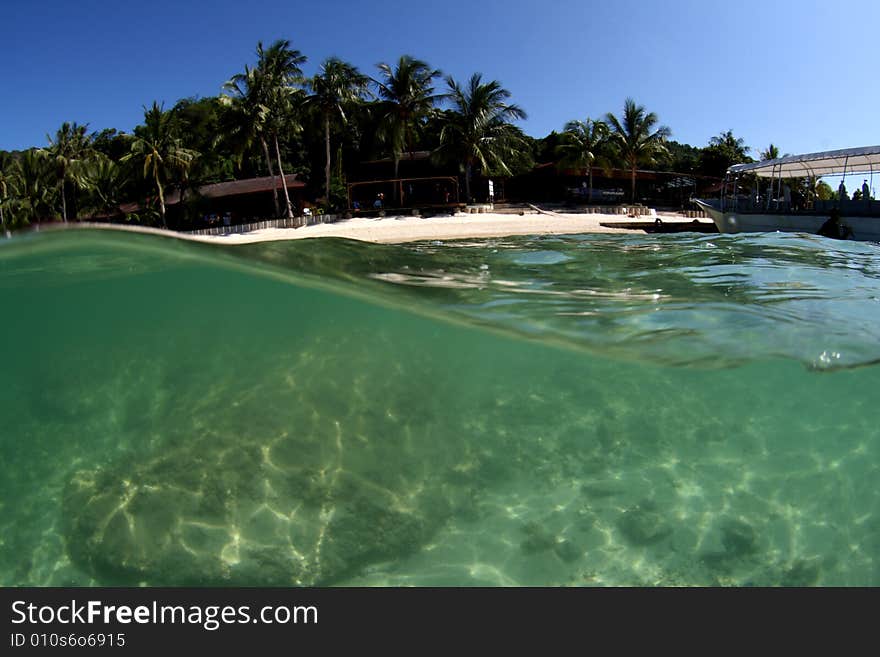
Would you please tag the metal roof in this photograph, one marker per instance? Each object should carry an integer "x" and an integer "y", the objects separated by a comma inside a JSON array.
[
  {"x": 236, "y": 187},
  {"x": 228, "y": 188},
  {"x": 826, "y": 163}
]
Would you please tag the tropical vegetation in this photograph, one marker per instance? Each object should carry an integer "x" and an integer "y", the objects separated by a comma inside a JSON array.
[
  {"x": 585, "y": 144},
  {"x": 336, "y": 89},
  {"x": 406, "y": 98},
  {"x": 634, "y": 139},
  {"x": 157, "y": 149},
  {"x": 478, "y": 132},
  {"x": 270, "y": 119}
]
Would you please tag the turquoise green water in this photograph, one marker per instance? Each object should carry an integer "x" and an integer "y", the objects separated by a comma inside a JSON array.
[{"x": 584, "y": 410}]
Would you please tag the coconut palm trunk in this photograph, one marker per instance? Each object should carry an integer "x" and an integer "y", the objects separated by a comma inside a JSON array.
[
  {"x": 633, "y": 191},
  {"x": 161, "y": 197},
  {"x": 63, "y": 202},
  {"x": 272, "y": 173},
  {"x": 327, "y": 163},
  {"x": 283, "y": 179},
  {"x": 396, "y": 175},
  {"x": 407, "y": 93}
]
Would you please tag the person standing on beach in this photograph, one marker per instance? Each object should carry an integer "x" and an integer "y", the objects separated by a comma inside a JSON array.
[
  {"x": 841, "y": 192},
  {"x": 866, "y": 192}
]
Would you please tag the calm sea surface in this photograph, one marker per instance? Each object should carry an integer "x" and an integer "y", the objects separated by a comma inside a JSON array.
[{"x": 580, "y": 410}]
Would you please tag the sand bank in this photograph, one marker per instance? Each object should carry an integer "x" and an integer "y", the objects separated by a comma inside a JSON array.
[
  {"x": 410, "y": 229},
  {"x": 396, "y": 229}
]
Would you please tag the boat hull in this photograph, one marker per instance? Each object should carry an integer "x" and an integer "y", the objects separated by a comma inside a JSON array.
[{"x": 865, "y": 229}]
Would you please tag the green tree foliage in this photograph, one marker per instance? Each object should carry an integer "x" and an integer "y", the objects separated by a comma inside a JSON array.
[
  {"x": 105, "y": 182},
  {"x": 263, "y": 122},
  {"x": 519, "y": 159},
  {"x": 157, "y": 147},
  {"x": 68, "y": 150},
  {"x": 824, "y": 191},
  {"x": 634, "y": 139},
  {"x": 769, "y": 153},
  {"x": 245, "y": 123},
  {"x": 479, "y": 130},
  {"x": 34, "y": 191},
  {"x": 680, "y": 158},
  {"x": 111, "y": 143},
  {"x": 406, "y": 95},
  {"x": 6, "y": 191},
  {"x": 723, "y": 151},
  {"x": 583, "y": 145},
  {"x": 278, "y": 85},
  {"x": 264, "y": 103},
  {"x": 546, "y": 148},
  {"x": 337, "y": 87},
  {"x": 200, "y": 124}
]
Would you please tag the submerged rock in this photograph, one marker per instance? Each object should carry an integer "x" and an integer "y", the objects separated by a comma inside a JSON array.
[
  {"x": 739, "y": 539},
  {"x": 568, "y": 551},
  {"x": 643, "y": 524},
  {"x": 537, "y": 538},
  {"x": 309, "y": 490},
  {"x": 735, "y": 544},
  {"x": 801, "y": 573}
]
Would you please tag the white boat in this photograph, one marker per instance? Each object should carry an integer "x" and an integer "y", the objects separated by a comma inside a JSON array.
[{"x": 768, "y": 204}]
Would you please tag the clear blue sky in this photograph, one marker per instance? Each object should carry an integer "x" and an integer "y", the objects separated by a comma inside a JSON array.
[{"x": 799, "y": 73}]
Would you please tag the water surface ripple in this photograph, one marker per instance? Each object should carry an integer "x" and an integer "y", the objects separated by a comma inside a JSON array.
[{"x": 578, "y": 410}]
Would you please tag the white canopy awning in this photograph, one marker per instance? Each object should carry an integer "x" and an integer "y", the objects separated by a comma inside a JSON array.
[{"x": 827, "y": 163}]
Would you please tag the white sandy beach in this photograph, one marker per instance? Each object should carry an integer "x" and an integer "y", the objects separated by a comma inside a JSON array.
[
  {"x": 396, "y": 229},
  {"x": 460, "y": 226}
]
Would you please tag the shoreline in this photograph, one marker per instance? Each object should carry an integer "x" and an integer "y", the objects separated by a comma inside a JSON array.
[
  {"x": 399, "y": 229},
  {"x": 403, "y": 228}
]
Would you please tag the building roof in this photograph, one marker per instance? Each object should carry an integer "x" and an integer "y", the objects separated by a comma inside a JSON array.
[
  {"x": 865, "y": 159},
  {"x": 404, "y": 156},
  {"x": 237, "y": 187},
  {"x": 223, "y": 189}
]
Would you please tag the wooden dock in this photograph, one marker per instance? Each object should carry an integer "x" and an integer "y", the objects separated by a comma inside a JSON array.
[{"x": 660, "y": 226}]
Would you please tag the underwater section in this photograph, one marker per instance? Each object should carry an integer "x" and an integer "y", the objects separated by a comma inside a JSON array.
[{"x": 531, "y": 411}]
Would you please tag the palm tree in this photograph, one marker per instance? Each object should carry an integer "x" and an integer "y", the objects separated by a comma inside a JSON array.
[
  {"x": 723, "y": 150},
  {"x": 770, "y": 153},
  {"x": 68, "y": 149},
  {"x": 5, "y": 183},
  {"x": 635, "y": 139},
  {"x": 158, "y": 147},
  {"x": 735, "y": 147},
  {"x": 263, "y": 100},
  {"x": 104, "y": 182},
  {"x": 337, "y": 86},
  {"x": 247, "y": 120},
  {"x": 31, "y": 180},
  {"x": 278, "y": 72},
  {"x": 479, "y": 128},
  {"x": 583, "y": 144},
  {"x": 407, "y": 96}
]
